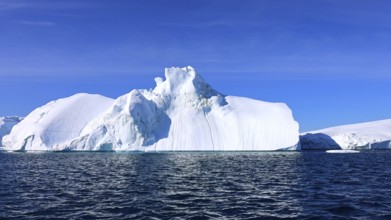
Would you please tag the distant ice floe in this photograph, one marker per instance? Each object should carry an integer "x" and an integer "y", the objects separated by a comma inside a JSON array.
[
  {"x": 342, "y": 151},
  {"x": 374, "y": 135}
]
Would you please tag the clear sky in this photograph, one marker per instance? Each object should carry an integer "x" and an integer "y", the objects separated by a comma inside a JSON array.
[{"x": 329, "y": 60}]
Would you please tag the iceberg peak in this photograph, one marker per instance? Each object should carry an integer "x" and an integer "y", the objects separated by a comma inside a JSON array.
[
  {"x": 183, "y": 81},
  {"x": 175, "y": 71}
]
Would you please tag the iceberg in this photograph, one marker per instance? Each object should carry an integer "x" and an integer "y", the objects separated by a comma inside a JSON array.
[
  {"x": 368, "y": 135},
  {"x": 6, "y": 124},
  {"x": 182, "y": 113}
]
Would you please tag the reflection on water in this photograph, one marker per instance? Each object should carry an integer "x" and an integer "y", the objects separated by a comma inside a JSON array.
[{"x": 195, "y": 185}]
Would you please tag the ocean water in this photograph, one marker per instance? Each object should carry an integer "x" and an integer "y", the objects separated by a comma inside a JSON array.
[{"x": 271, "y": 185}]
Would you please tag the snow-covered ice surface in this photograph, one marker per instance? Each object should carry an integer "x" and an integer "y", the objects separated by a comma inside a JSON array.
[
  {"x": 182, "y": 113},
  {"x": 6, "y": 124},
  {"x": 55, "y": 123},
  {"x": 369, "y": 135}
]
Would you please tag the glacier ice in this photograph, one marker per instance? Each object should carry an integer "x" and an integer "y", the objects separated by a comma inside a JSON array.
[
  {"x": 369, "y": 135},
  {"x": 182, "y": 113},
  {"x": 55, "y": 123},
  {"x": 6, "y": 124}
]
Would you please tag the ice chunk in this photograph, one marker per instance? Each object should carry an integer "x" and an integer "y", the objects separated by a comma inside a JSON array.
[{"x": 342, "y": 151}]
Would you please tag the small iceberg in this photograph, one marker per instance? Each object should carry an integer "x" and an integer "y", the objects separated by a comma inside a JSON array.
[{"x": 343, "y": 151}]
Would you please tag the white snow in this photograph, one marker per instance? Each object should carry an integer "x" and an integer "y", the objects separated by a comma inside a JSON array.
[
  {"x": 182, "y": 113},
  {"x": 6, "y": 124},
  {"x": 56, "y": 122},
  {"x": 369, "y": 135}
]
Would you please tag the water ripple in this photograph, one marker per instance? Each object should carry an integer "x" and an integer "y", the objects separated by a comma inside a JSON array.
[{"x": 271, "y": 185}]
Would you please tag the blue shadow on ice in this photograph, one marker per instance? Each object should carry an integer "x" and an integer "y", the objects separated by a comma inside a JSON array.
[{"x": 318, "y": 141}]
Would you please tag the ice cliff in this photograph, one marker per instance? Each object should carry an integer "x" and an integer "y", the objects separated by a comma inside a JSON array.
[
  {"x": 369, "y": 135},
  {"x": 182, "y": 113}
]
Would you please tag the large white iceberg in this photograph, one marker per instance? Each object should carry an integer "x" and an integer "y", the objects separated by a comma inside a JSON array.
[
  {"x": 369, "y": 135},
  {"x": 182, "y": 113},
  {"x": 6, "y": 124}
]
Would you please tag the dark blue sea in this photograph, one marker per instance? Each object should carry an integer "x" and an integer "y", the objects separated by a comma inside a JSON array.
[{"x": 268, "y": 185}]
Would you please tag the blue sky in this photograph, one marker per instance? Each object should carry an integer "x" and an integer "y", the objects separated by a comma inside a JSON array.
[{"x": 328, "y": 60}]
